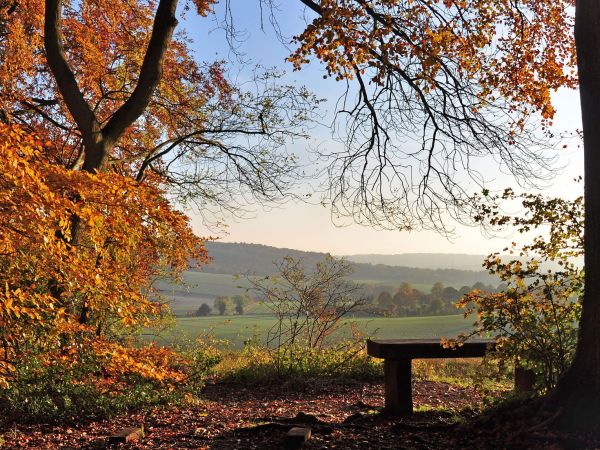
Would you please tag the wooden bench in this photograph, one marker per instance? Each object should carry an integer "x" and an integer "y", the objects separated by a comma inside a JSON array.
[{"x": 398, "y": 355}]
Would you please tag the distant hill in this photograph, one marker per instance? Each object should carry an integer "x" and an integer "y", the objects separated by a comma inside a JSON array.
[
  {"x": 442, "y": 260},
  {"x": 238, "y": 258},
  {"x": 459, "y": 261}
]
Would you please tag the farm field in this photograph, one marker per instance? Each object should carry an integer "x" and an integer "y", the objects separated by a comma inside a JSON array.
[
  {"x": 237, "y": 329},
  {"x": 214, "y": 284},
  {"x": 201, "y": 287},
  {"x": 392, "y": 285},
  {"x": 205, "y": 284}
]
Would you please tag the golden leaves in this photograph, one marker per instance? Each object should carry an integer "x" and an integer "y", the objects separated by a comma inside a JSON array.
[
  {"x": 521, "y": 51},
  {"x": 105, "y": 44},
  {"x": 203, "y": 7},
  {"x": 128, "y": 236}
]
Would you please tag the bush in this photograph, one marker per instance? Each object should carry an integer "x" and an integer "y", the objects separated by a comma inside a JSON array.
[
  {"x": 203, "y": 310},
  {"x": 256, "y": 363},
  {"x": 309, "y": 308},
  {"x": 535, "y": 317},
  {"x": 83, "y": 390}
]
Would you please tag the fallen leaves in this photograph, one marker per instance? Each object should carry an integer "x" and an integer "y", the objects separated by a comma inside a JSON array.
[{"x": 340, "y": 415}]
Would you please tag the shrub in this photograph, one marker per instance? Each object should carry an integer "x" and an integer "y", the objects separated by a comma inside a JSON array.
[
  {"x": 86, "y": 388},
  {"x": 535, "y": 317},
  {"x": 347, "y": 360},
  {"x": 203, "y": 310},
  {"x": 79, "y": 257},
  {"x": 309, "y": 308}
]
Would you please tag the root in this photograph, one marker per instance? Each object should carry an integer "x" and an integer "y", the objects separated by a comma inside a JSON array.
[{"x": 538, "y": 426}]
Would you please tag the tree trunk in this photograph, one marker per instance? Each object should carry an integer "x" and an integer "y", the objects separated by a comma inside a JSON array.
[
  {"x": 578, "y": 393},
  {"x": 99, "y": 141}
]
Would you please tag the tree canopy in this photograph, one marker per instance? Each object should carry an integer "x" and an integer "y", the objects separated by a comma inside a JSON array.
[
  {"x": 123, "y": 117},
  {"x": 437, "y": 86}
]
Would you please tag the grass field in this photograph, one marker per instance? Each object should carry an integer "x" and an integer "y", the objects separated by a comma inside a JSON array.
[
  {"x": 200, "y": 287},
  {"x": 237, "y": 329},
  {"x": 209, "y": 284}
]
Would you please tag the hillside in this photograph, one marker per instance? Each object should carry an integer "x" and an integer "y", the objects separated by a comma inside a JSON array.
[
  {"x": 460, "y": 261},
  {"x": 237, "y": 258}
]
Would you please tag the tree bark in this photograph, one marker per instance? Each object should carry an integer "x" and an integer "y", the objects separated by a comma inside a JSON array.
[
  {"x": 98, "y": 141},
  {"x": 165, "y": 22},
  {"x": 64, "y": 76},
  {"x": 578, "y": 392}
]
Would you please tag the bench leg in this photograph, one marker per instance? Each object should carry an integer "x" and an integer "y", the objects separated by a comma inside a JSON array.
[
  {"x": 524, "y": 379},
  {"x": 398, "y": 387}
]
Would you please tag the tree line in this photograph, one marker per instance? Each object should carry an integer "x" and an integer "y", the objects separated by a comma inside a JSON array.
[
  {"x": 405, "y": 301},
  {"x": 440, "y": 300}
]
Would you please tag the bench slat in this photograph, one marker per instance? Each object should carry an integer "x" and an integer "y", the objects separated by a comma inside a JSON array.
[{"x": 426, "y": 348}]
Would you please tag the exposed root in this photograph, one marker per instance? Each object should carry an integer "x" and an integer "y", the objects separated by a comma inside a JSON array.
[{"x": 537, "y": 427}]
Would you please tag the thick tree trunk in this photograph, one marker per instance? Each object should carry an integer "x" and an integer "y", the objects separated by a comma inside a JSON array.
[
  {"x": 98, "y": 141},
  {"x": 578, "y": 393}
]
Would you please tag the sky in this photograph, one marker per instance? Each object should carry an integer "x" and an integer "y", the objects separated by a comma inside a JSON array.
[{"x": 309, "y": 226}]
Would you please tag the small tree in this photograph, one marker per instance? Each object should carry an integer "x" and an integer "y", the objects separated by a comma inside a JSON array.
[
  {"x": 240, "y": 302},
  {"x": 450, "y": 295},
  {"x": 385, "y": 301},
  {"x": 406, "y": 298},
  {"x": 436, "y": 305},
  {"x": 535, "y": 318},
  {"x": 223, "y": 305},
  {"x": 203, "y": 310},
  {"x": 436, "y": 290},
  {"x": 309, "y": 306}
]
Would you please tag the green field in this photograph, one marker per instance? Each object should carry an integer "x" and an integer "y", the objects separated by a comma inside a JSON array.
[
  {"x": 201, "y": 287},
  {"x": 209, "y": 284},
  {"x": 237, "y": 329}
]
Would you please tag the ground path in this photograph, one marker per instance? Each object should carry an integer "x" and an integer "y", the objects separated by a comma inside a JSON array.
[{"x": 231, "y": 416}]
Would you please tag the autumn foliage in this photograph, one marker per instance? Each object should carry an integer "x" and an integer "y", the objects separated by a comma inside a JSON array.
[
  {"x": 535, "y": 318},
  {"x": 106, "y": 42},
  {"x": 81, "y": 250},
  {"x": 129, "y": 237},
  {"x": 110, "y": 126},
  {"x": 501, "y": 45}
]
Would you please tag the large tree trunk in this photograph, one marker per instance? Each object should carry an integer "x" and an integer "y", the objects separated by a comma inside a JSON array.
[
  {"x": 98, "y": 141},
  {"x": 578, "y": 393}
]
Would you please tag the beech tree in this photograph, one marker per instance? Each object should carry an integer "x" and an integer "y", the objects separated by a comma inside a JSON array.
[
  {"x": 463, "y": 79},
  {"x": 105, "y": 118},
  {"x": 115, "y": 88},
  {"x": 435, "y": 87}
]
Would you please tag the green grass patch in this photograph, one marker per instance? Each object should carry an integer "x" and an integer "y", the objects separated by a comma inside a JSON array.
[{"x": 238, "y": 329}]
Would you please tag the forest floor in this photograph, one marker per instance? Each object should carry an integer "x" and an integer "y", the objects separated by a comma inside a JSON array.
[{"x": 340, "y": 415}]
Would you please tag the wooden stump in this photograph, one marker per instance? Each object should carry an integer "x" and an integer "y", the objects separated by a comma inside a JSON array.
[
  {"x": 297, "y": 436},
  {"x": 126, "y": 435}
]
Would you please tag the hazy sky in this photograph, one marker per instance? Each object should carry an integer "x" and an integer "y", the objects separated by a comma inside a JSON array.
[{"x": 309, "y": 226}]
